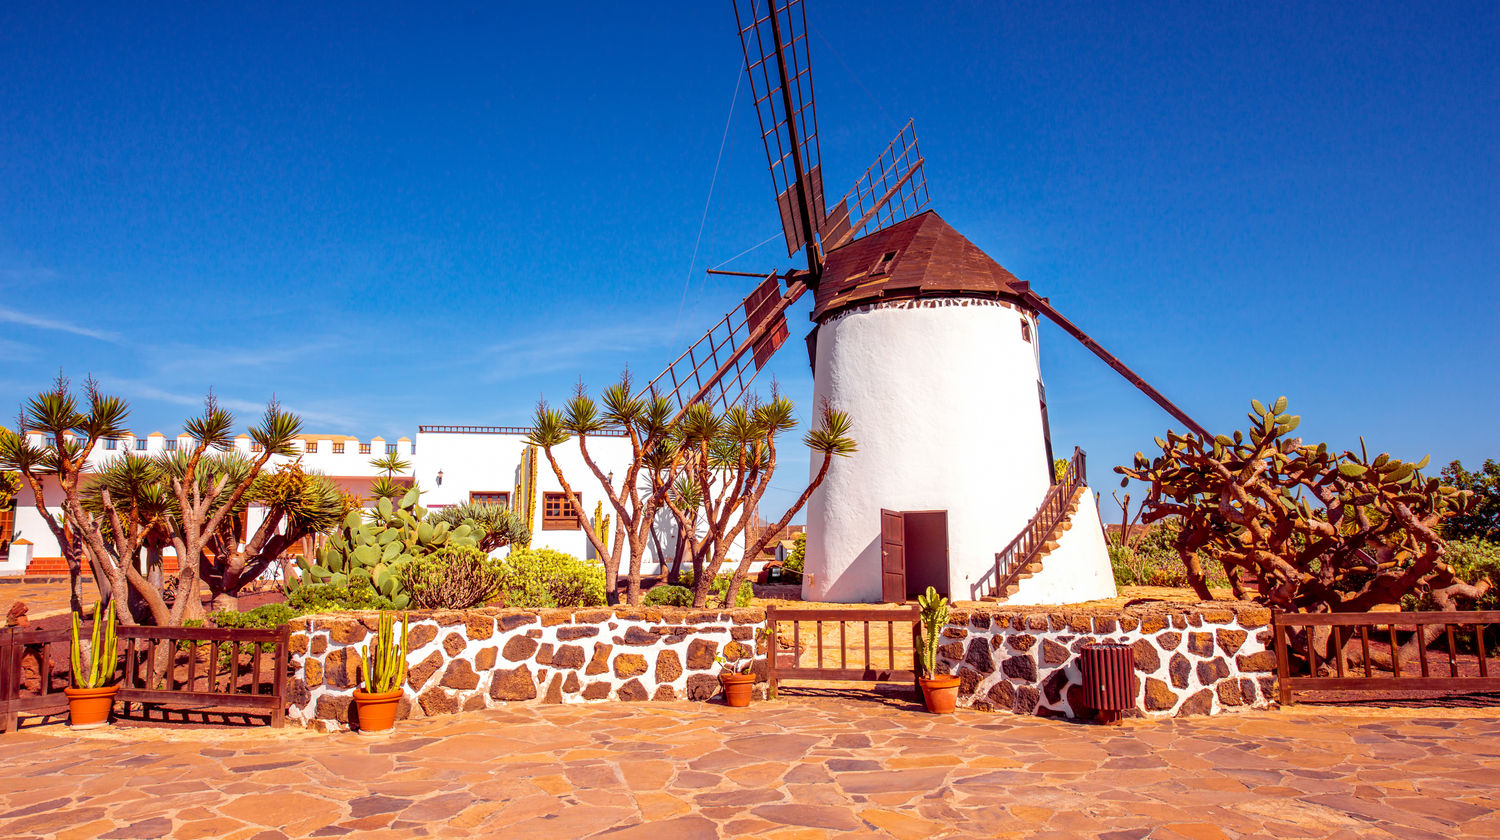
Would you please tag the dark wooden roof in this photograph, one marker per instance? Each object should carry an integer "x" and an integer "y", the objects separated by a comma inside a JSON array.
[{"x": 920, "y": 257}]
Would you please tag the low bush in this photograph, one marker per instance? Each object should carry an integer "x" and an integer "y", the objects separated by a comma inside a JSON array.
[
  {"x": 1152, "y": 560},
  {"x": 263, "y": 617},
  {"x": 451, "y": 578},
  {"x": 669, "y": 596},
  {"x": 325, "y": 597},
  {"x": 541, "y": 577},
  {"x": 721, "y": 586}
]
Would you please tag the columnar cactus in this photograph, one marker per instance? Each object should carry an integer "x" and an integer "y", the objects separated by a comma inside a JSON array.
[
  {"x": 104, "y": 656},
  {"x": 934, "y": 617},
  {"x": 373, "y": 552},
  {"x": 385, "y": 661}
]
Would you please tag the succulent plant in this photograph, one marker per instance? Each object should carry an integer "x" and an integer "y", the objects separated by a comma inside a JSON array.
[
  {"x": 370, "y": 548},
  {"x": 385, "y": 659},
  {"x": 103, "y": 656},
  {"x": 934, "y": 615}
]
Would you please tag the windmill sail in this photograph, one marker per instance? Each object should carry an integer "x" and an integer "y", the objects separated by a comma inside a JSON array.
[
  {"x": 719, "y": 367},
  {"x": 773, "y": 34},
  {"x": 892, "y": 189}
]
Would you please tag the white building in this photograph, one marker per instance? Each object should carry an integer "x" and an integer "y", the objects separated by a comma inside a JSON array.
[{"x": 452, "y": 465}]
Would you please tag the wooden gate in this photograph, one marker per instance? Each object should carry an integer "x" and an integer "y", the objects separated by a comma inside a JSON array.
[
  {"x": 883, "y": 648},
  {"x": 892, "y": 557}
]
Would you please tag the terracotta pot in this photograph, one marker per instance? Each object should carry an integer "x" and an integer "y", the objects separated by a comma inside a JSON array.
[
  {"x": 737, "y": 689},
  {"x": 89, "y": 708},
  {"x": 940, "y": 693},
  {"x": 377, "y": 710}
]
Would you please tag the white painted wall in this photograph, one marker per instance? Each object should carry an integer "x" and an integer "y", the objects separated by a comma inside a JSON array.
[
  {"x": 1078, "y": 569},
  {"x": 943, "y": 399}
]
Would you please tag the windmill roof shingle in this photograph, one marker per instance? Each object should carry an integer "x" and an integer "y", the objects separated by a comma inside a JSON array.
[{"x": 922, "y": 256}]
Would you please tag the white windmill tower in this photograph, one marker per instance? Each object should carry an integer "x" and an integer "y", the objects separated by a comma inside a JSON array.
[{"x": 931, "y": 347}]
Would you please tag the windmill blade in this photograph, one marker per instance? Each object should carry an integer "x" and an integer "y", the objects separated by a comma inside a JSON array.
[
  {"x": 773, "y": 34},
  {"x": 1043, "y": 306},
  {"x": 892, "y": 189},
  {"x": 720, "y": 366}
]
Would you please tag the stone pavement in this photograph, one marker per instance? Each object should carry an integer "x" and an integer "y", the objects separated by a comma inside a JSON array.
[{"x": 807, "y": 766}]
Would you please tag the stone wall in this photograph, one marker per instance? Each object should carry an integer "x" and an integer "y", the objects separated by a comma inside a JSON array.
[
  {"x": 476, "y": 659},
  {"x": 1188, "y": 660}
]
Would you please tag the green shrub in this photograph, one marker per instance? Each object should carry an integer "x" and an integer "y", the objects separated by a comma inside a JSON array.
[
  {"x": 791, "y": 569},
  {"x": 1152, "y": 560},
  {"x": 264, "y": 617},
  {"x": 721, "y": 586},
  {"x": 669, "y": 596},
  {"x": 326, "y": 597},
  {"x": 451, "y": 578},
  {"x": 541, "y": 577}
]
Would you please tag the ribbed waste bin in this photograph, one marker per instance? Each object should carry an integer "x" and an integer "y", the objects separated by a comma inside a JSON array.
[{"x": 1108, "y": 679}]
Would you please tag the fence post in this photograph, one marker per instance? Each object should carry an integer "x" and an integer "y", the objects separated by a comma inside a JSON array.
[
  {"x": 1283, "y": 661},
  {"x": 10, "y": 681},
  {"x": 773, "y": 652},
  {"x": 283, "y": 648}
]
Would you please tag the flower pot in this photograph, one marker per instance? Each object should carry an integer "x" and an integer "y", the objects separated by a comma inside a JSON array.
[
  {"x": 377, "y": 710},
  {"x": 737, "y": 689},
  {"x": 89, "y": 708},
  {"x": 940, "y": 693}
]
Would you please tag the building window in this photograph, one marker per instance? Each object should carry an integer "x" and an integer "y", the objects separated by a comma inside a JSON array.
[
  {"x": 390, "y": 449},
  {"x": 312, "y": 447},
  {"x": 1025, "y": 330},
  {"x": 110, "y": 444},
  {"x": 364, "y": 449},
  {"x": 255, "y": 446},
  {"x": 171, "y": 446},
  {"x": 338, "y": 449},
  {"x": 559, "y": 513},
  {"x": 7, "y": 523},
  {"x": 140, "y": 443},
  {"x": 491, "y": 497}
]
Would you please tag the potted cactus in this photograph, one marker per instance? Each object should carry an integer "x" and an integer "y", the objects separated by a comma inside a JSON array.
[
  {"x": 939, "y": 691},
  {"x": 92, "y": 695},
  {"x": 384, "y": 669}
]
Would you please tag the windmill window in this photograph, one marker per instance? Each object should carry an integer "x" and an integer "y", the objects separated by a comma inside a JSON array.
[
  {"x": 1025, "y": 330},
  {"x": 884, "y": 265},
  {"x": 140, "y": 443},
  {"x": 490, "y": 497},
  {"x": 364, "y": 449},
  {"x": 338, "y": 449},
  {"x": 559, "y": 513},
  {"x": 312, "y": 447}
]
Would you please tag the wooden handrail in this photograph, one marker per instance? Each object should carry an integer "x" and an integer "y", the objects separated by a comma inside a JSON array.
[{"x": 1010, "y": 561}]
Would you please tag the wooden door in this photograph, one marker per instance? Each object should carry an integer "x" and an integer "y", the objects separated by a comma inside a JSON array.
[
  {"x": 925, "y": 534},
  {"x": 892, "y": 557}
]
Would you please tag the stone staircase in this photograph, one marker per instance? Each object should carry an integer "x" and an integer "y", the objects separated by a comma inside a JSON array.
[
  {"x": 1022, "y": 558},
  {"x": 1033, "y": 564}
]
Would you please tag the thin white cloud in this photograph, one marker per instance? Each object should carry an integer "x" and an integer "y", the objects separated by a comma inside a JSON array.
[
  {"x": 555, "y": 350},
  {"x": 11, "y": 316},
  {"x": 249, "y": 411}
]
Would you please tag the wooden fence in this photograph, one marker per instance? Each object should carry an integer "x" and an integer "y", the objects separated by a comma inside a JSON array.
[
  {"x": 203, "y": 666},
  {"x": 1315, "y": 671},
  {"x": 832, "y": 661}
]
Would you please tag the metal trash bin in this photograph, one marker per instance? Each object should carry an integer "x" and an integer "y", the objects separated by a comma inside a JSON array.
[{"x": 1109, "y": 679}]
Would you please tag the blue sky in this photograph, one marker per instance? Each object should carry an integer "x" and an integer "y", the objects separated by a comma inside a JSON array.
[{"x": 391, "y": 215}]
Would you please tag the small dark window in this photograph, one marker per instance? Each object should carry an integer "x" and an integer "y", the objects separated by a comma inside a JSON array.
[
  {"x": 491, "y": 497},
  {"x": 559, "y": 513},
  {"x": 1025, "y": 330},
  {"x": 884, "y": 265}
]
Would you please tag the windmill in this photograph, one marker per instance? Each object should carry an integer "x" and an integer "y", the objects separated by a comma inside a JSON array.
[{"x": 931, "y": 347}]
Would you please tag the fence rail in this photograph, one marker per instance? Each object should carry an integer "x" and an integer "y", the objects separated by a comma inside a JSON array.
[
  {"x": 503, "y": 430},
  {"x": 160, "y": 665},
  {"x": 832, "y": 662},
  {"x": 1336, "y": 635}
]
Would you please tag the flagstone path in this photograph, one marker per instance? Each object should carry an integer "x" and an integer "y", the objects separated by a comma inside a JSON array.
[{"x": 793, "y": 768}]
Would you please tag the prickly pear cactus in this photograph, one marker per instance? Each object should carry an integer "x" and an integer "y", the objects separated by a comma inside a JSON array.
[{"x": 371, "y": 547}]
